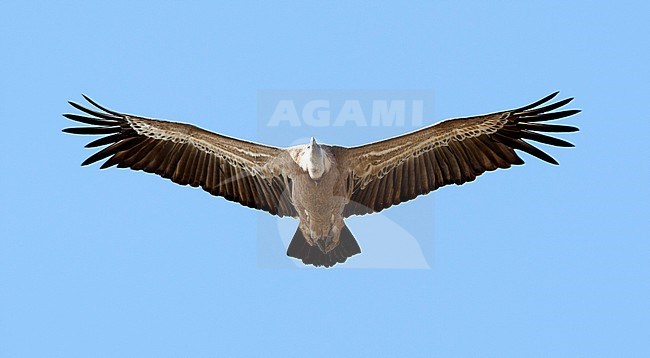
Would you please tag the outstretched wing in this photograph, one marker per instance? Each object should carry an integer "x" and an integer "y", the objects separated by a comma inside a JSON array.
[
  {"x": 454, "y": 151},
  {"x": 245, "y": 172}
]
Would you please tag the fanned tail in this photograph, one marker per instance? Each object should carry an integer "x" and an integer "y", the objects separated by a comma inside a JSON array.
[{"x": 312, "y": 255}]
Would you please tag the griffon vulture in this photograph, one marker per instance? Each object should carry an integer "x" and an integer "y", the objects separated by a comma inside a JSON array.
[{"x": 321, "y": 184}]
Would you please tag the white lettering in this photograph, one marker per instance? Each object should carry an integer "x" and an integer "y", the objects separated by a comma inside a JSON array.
[
  {"x": 351, "y": 112},
  {"x": 322, "y": 110},
  {"x": 284, "y": 111},
  {"x": 417, "y": 113},
  {"x": 387, "y": 115}
]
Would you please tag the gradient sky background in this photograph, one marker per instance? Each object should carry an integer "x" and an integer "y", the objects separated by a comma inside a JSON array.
[{"x": 533, "y": 261}]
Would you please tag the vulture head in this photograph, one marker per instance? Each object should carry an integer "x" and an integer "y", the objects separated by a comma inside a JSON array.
[{"x": 314, "y": 160}]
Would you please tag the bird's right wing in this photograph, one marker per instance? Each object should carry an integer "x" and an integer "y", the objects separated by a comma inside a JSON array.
[{"x": 251, "y": 174}]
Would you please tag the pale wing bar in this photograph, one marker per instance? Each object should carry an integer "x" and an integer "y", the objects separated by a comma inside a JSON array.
[
  {"x": 455, "y": 151},
  {"x": 237, "y": 170}
]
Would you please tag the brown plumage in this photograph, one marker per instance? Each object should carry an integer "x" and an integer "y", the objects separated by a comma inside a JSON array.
[{"x": 322, "y": 184}]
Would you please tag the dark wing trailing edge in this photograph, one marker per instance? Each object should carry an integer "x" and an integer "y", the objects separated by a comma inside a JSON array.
[
  {"x": 240, "y": 171},
  {"x": 454, "y": 151}
]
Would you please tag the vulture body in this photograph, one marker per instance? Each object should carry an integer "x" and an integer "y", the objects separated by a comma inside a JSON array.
[{"x": 322, "y": 184}]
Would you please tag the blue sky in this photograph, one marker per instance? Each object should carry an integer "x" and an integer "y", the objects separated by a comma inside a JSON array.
[{"x": 537, "y": 260}]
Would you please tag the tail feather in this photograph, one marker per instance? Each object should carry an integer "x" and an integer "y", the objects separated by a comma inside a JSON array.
[{"x": 312, "y": 255}]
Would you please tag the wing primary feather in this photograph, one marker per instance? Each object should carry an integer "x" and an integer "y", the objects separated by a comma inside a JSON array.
[
  {"x": 535, "y": 104},
  {"x": 549, "y": 107},
  {"x": 91, "y": 112},
  {"x": 510, "y": 132},
  {"x": 548, "y": 116},
  {"x": 104, "y": 140},
  {"x": 100, "y": 106},
  {"x": 110, "y": 150},
  {"x": 526, "y": 147},
  {"x": 542, "y": 138},
  {"x": 90, "y": 120},
  {"x": 543, "y": 127},
  {"x": 114, "y": 160},
  {"x": 92, "y": 130}
]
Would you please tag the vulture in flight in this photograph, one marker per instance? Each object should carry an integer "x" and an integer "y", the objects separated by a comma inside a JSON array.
[{"x": 319, "y": 184}]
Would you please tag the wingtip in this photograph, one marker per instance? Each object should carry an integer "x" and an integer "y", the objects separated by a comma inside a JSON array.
[
  {"x": 572, "y": 112},
  {"x": 552, "y": 95},
  {"x": 551, "y": 160},
  {"x": 567, "y": 100},
  {"x": 538, "y": 102},
  {"x": 97, "y": 105}
]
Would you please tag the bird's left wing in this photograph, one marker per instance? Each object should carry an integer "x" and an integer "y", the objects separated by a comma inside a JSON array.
[
  {"x": 454, "y": 151},
  {"x": 251, "y": 174}
]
